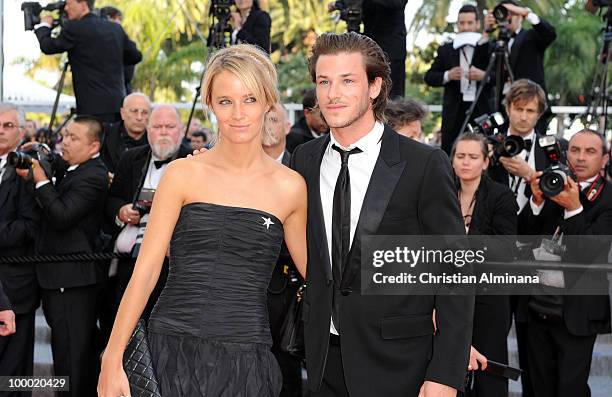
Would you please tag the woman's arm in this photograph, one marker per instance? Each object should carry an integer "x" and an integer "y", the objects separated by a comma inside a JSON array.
[
  {"x": 164, "y": 214},
  {"x": 295, "y": 224}
]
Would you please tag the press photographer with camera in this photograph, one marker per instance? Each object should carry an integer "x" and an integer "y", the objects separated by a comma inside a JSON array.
[
  {"x": 459, "y": 68},
  {"x": 19, "y": 218},
  {"x": 97, "y": 51},
  {"x": 563, "y": 327},
  {"x": 131, "y": 196},
  {"x": 71, "y": 206},
  {"x": 526, "y": 46},
  {"x": 251, "y": 24}
]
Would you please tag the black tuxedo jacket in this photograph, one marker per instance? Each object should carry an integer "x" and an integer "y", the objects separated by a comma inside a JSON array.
[
  {"x": 583, "y": 314},
  {"x": 256, "y": 30},
  {"x": 383, "y": 22},
  {"x": 448, "y": 58},
  {"x": 494, "y": 210},
  {"x": 298, "y": 134},
  {"x": 71, "y": 213},
  {"x": 388, "y": 344},
  {"x": 527, "y": 52},
  {"x": 5, "y": 303},
  {"x": 97, "y": 50},
  {"x": 116, "y": 142},
  {"x": 19, "y": 219},
  {"x": 127, "y": 179}
]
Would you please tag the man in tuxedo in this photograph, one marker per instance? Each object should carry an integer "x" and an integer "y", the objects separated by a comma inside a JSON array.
[
  {"x": 459, "y": 68},
  {"x": 525, "y": 103},
  {"x": 97, "y": 51},
  {"x": 137, "y": 175},
  {"x": 7, "y": 316},
  {"x": 527, "y": 46},
  {"x": 285, "y": 280},
  {"x": 562, "y": 327},
  {"x": 310, "y": 126},
  {"x": 18, "y": 224},
  {"x": 387, "y": 184},
  {"x": 71, "y": 210},
  {"x": 128, "y": 133}
]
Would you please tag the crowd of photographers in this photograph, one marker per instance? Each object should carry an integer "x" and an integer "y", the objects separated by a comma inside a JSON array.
[{"x": 90, "y": 191}]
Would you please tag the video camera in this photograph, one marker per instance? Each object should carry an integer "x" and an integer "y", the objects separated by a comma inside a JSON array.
[
  {"x": 503, "y": 146},
  {"x": 553, "y": 179},
  {"x": 40, "y": 152},
  {"x": 32, "y": 10},
  {"x": 350, "y": 12}
]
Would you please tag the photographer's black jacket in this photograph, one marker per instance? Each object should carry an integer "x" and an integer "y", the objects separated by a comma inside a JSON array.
[
  {"x": 256, "y": 30},
  {"x": 19, "y": 219},
  {"x": 97, "y": 50},
  {"x": 71, "y": 218},
  {"x": 128, "y": 175}
]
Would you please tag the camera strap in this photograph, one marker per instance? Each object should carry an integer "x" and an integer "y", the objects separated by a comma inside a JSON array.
[{"x": 594, "y": 189}]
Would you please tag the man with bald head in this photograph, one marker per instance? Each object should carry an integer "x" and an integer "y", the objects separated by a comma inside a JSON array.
[
  {"x": 131, "y": 193},
  {"x": 128, "y": 133}
]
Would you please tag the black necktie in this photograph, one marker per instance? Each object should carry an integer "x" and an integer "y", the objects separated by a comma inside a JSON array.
[
  {"x": 528, "y": 144},
  {"x": 341, "y": 225},
  {"x": 159, "y": 163}
]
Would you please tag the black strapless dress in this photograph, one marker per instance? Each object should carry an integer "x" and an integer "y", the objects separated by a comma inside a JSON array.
[{"x": 209, "y": 331}]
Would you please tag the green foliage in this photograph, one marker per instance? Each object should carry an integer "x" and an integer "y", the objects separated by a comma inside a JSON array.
[{"x": 293, "y": 77}]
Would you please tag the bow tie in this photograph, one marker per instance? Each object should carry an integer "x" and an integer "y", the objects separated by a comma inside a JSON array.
[
  {"x": 159, "y": 163},
  {"x": 528, "y": 144}
]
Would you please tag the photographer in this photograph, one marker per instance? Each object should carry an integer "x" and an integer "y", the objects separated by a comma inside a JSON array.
[
  {"x": 526, "y": 46},
  {"x": 562, "y": 327},
  {"x": 131, "y": 193},
  {"x": 97, "y": 51},
  {"x": 71, "y": 206},
  {"x": 114, "y": 15},
  {"x": 18, "y": 224},
  {"x": 459, "y": 68},
  {"x": 251, "y": 24}
]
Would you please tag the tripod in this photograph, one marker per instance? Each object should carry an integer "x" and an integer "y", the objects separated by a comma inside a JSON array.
[
  {"x": 501, "y": 62},
  {"x": 60, "y": 87},
  {"x": 216, "y": 40},
  {"x": 599, "y": 96}
]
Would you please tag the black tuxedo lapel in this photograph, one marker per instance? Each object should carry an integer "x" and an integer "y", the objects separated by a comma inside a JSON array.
[
  {"x": 5, "y": 186},
  {"x": 386, "y": 174},
  {"x": 516, "y": 47},
  {"x": 313, "y": 180},
  {"x": 286, "y": 160}
]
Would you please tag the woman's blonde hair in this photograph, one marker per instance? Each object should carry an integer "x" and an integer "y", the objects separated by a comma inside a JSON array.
[{"x": 249, "y": 64}]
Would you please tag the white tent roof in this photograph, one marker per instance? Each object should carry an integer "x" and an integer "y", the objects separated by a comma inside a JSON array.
[{"x": 32, "y": 96}]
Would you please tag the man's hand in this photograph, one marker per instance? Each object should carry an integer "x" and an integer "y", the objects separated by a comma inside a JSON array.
[
  {"x": 48, "y": 19},
  {"x": 476, "y": 74},
  {"x": 7, "y": 317},
  {"x": 455, "y": 73},
  {"x": 38, "y": 174},
  {"x": 517, "y": 166},
  {"x": 517, "y": 10},
  {"x": 569, "y": 198},
  {"x": 477, "y": 360},
  {"x": 198, "y": 151},
  {"x": 129, "y": 215},
  {"x": 433, "y": 389},
  {"x": 537, "y": 196}
]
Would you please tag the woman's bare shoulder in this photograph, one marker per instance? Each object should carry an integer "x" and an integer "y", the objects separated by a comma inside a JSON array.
[{"x": 289, "y": 182}]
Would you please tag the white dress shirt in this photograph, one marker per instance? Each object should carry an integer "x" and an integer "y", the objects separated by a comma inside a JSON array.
[
  {"x": 360, "y": 165},
  {"x": 521, "y": 199},
  {"x": 536, "y": 209}
]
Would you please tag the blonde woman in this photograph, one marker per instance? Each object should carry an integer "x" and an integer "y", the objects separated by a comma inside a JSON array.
[{"x": 223, "y": 214}]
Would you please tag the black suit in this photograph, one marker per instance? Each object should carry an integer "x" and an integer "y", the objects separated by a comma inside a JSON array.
[
  {"x": 256, "y": 30},
  {"x": 383, "y": 22},
  {"x": 116, "y": 142},
  {"x": 298, "y": 134},
  {"x": 5, "y": 304},
  {"x": 71, "y": 214},
  {"x": 453, "y": 107},
  {"x": 97, "y": 50},
  {"x": 494, "y": 215},
  {"x": 570, "y": 340},
  {"x": 18, "y": 224},
  {"x": 388, "y": 347}
]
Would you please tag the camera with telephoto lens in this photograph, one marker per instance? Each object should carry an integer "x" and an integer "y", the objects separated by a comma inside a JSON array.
[
  {"x": 32, "y": 10},
  {"x": 503, "y": 146},
  {"x": 40, "y": 152},
  {"x": 221, "y": 9},
  {"x": 350, "y": 12},
  {"x": 554, "y": 178},
  {"x": 501, "y": 14}
]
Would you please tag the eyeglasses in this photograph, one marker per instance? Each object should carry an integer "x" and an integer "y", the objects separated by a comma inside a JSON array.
[
  {"x": 142, "y": 112},
  {"x": 159, "y": 127},
  {"x": 8, "y": 125}
]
